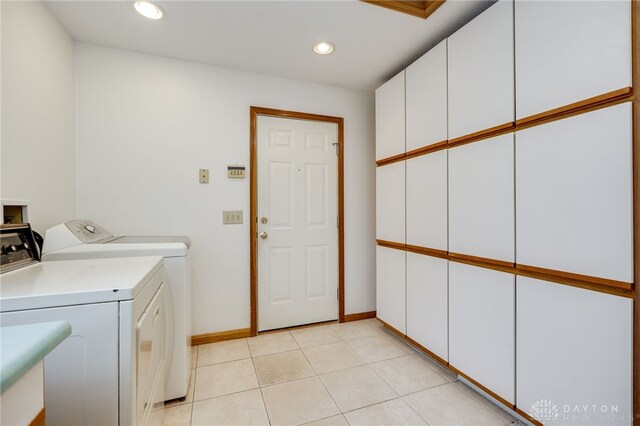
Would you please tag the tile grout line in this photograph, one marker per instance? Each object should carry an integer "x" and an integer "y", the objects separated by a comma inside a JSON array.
[
  {"x": 264, "y": 404},
  {"x": 325, "y": 388},
  {"x": 195, "y": 377}
]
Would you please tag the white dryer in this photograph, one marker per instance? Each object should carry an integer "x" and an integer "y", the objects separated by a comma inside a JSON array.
[
  {"x": 84, "y": 239},
  {"x": 111, "y": 370}
]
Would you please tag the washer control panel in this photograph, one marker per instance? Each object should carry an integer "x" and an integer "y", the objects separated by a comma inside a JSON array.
[{"x": 87, "y": 231}]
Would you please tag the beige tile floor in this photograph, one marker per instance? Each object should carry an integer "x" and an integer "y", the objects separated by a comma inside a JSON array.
[{"x": 355, "y": 373}]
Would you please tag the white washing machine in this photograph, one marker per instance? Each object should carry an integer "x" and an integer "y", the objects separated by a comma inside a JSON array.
[
  {"x": 111, "y": 370},
  {"x": 84, "y": 239}
]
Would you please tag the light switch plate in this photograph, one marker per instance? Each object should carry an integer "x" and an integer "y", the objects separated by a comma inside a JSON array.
[
  {"x": 231, "y": 217},
  {"x": 204, "y": 175}
]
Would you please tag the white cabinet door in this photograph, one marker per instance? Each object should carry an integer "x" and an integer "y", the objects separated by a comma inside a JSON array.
[
  {"x": 390, "y": 202},
  {"x": 390, "y": 118},
  {"x": 482, "y": 326},
  {"x": 427, "y": 302},
  {"x": 427, "y": 98},
  {"x": 481, "y": 216},
  {"x": 568, "y": 51},
  {"x": 574, "y": 194},
  {"x": 481, "y": 87},
  {"x": 390, "y": 294},
  {"x": 427, "y": 200},
  {"x": 574, "y": 350}
]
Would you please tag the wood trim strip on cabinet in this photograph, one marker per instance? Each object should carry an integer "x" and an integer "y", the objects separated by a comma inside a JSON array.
[
  {"x": 596, "y": 102},
  {"x": 528, "y": 417},
  {"x": 564, "y": 280},
  {"x": 391, "y": 244},
  {"x": 587, "y": 279},
  {"x": 438, "y": 146},
  {"x": 359, "y": 316},
  {"x": 393, "y": 329},
  {"x": 482, "y": 134},
  {"x": 442, "y": 254},
  {"x": 484, "y": 388},
  {"x": 391, "y": 160},
  {"x": 442, "y": 361},
  {"x": 219, "y": 336},
  {"x": 419, "y": 9},
  {"x": 459, "y": 257},
  {"x": 602, "y": 285},
  {"x": 605, "y": 100}
]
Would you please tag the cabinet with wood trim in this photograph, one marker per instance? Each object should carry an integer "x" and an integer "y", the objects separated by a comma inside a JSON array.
[
  {"x": 427, "y": 303},
  {"x": 481, "y": 74},
  {"x": 574, "y": 197},
  {"x": 481, "y": 199},
  {"x": 426, "y": 94},
  {"x": 574, "y": 349},
  {"x": 390, "y": 287},
  {"x": 427, "y": 200},
  {"x": 482, "y": 326},
  {"x": 569, "y": 51},
  {"x": 390, "y": 125},
  {"x": 390, "y": 202}
]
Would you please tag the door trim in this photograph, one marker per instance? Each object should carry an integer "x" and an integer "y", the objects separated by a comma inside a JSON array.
[{"x": 254, "y": 112}]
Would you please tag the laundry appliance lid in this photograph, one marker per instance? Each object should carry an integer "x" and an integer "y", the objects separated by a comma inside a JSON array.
[{"x": 76, "y": 282}]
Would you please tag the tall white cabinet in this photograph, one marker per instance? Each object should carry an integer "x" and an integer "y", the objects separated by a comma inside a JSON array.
[
  {"x": 513, "y": 260},
  {"x": 390, "y": 129},
  {"x": 481, "y": 213},
  {"x": 390, "y": 202},
  {"x": 390, "y": 289},
  {"x": 574, "y": 194},
  {"x": 574, "y": 349},
  {"x": 481, "y": 72},
  {"x": 426, "y": 95},
  {"x": 427, "y": 210},
  {"x": 427, "y": 303},
  {"x": 482, "y": 326},
  {"x": 569, "y": 51}
]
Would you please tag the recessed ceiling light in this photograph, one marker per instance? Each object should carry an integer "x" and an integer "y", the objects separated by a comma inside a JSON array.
[
  {"x": 323, "y": 48},
  {"x": 149, "y": 10}
]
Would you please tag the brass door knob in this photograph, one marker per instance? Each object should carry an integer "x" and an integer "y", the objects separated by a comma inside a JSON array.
[{"x": 264, "y": 235}]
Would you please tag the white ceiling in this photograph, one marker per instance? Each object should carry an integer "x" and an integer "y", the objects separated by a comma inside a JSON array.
[{"x": 272, "y": 37}]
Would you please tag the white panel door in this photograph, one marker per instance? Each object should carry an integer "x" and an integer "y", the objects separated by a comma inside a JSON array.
[
  {"x": 390, "y": 118},
  {"x": 481, "y": 86},
  {"x": 568, "y": 51},
  {"x": 80, "y": 374},
  {"x": 574, "y": 194},
  {"x": 481, "y": 200},
  {"x": 390, "y": 287},
  {"x": 482, "y": 326},
  {"x": 427, "y": 98},
  {"x": 427, "y": 200},
  {"x": 298, "y": 244},
  {"x": 427, "y": 302},
  {"x": 574, "y": 349},
  {"x": 390, "y": 202}
]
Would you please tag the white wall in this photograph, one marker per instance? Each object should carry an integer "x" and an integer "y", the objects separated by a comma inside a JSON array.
[
  {"x": 38, "y": 113},
  {"x": 146, "y": 124}
]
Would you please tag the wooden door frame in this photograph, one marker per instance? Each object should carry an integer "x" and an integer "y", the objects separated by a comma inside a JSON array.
[{"x": 254, "y": 112}]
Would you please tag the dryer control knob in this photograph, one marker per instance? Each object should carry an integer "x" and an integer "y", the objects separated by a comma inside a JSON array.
[{"x": 90, "y": 228}]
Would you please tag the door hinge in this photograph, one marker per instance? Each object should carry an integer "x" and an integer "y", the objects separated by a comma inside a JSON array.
[
  {"x": 338, "y": 221},
  {"x": 338, "y": 293},
  {"x": 337, "y": 145}
]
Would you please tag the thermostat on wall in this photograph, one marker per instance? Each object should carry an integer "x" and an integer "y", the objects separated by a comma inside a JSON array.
[{"x": 235, "y": 172}]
